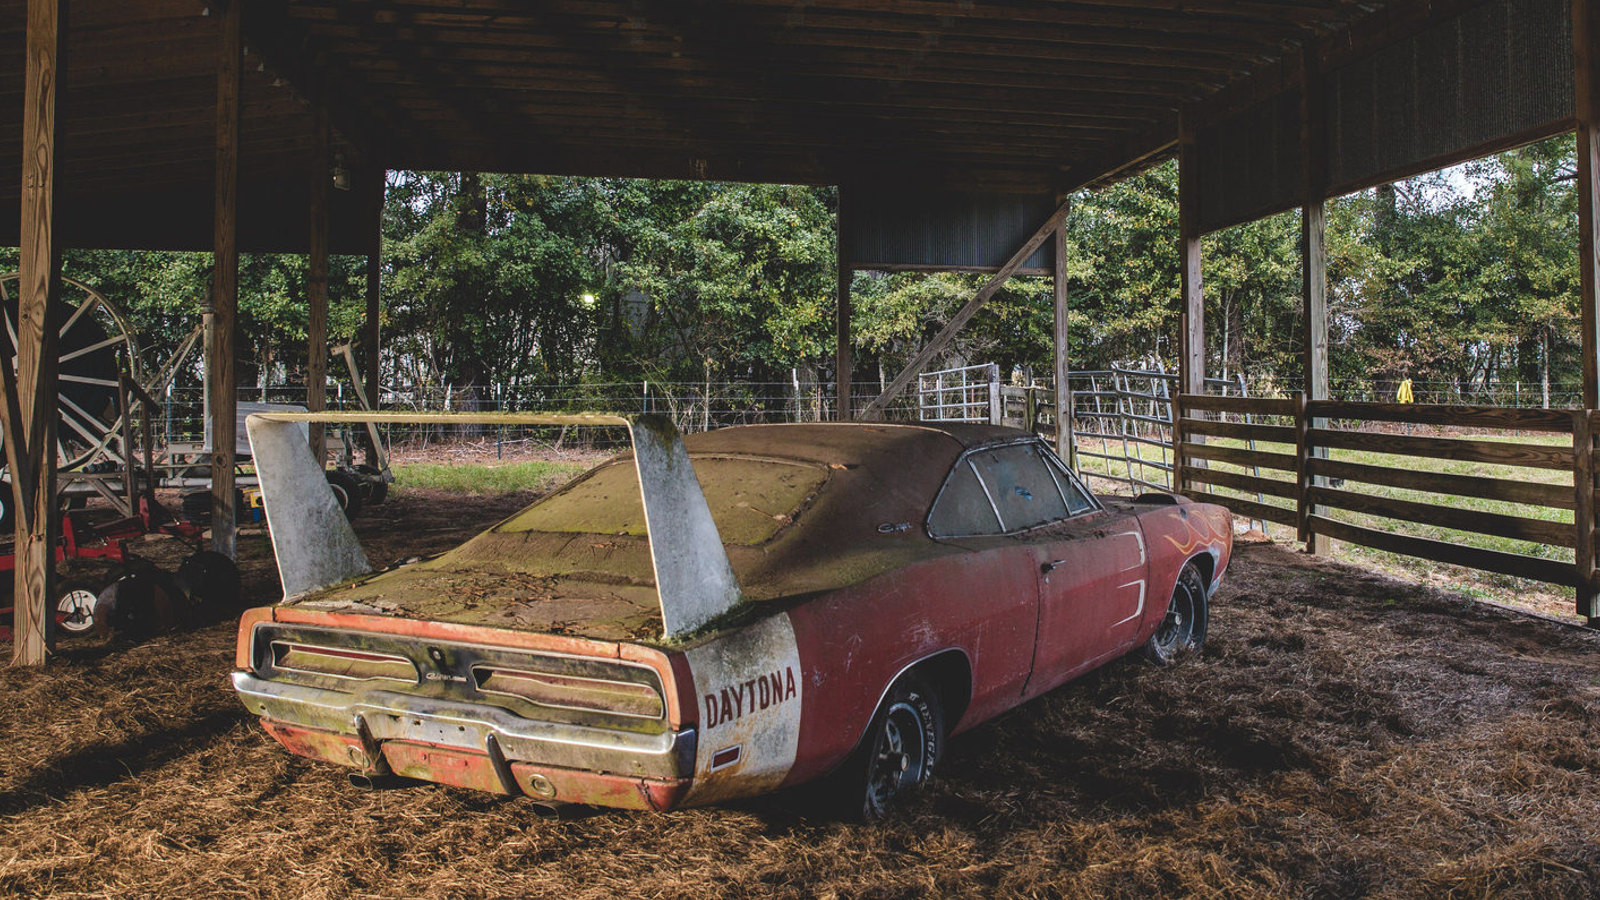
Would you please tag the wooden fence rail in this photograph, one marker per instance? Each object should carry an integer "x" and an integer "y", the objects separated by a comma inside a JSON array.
[{"x": 1303, "y": 478}]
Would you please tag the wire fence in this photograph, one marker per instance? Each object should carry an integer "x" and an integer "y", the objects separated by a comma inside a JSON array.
[
  {"x": 692, "y": 406},
  {"x": 1507, "y": 394},
  {"x": 1117, "y": 406}
]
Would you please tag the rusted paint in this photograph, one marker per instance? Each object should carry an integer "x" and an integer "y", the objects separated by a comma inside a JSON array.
[
  {"x": 783, "y": 692},
  {"x": 443, "y": 765},
  {"x": 597, "y": 789},
  {"x": 247, "y": 627},
  {"x": 602, "y": 586},
  {"x": 749, "y": 685},
  {"x": 343, "y": 749}
]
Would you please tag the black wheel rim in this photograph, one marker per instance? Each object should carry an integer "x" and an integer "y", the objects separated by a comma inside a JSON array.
[
  {"x": 899, "y": 755},
  {"x": 1177, "y": 627}
]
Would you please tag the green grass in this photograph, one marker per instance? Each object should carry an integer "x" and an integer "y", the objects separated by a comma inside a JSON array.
[{"x": 534, "y": 475}]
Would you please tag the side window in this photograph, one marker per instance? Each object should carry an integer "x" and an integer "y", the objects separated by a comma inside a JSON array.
[
  {"x": 1077, "y": 495},
  {"x": 1020, "y": 483},
  {"x": 963, "y": 508}
]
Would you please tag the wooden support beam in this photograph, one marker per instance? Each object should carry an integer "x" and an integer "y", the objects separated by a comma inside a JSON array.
[
  {"x": 1586, "y": 39},
  {"x": 1314, "y": 263},
  {"x": 225, "y": 287},
  {"x": 1191, "y": 319},
  {"x": 1066, "y": 443},
  {"x": 1583, "y": 515},
  {"x": 370, "y": 343},
  {"x": 31, "y": 417},
  {"x": 372, "y": 323},
  {"x": 317, "y": 287},
  {"x": 1586, "y": 31},
  {"x": 947, "y": 334},
  {"x": 844, "y": 355}
]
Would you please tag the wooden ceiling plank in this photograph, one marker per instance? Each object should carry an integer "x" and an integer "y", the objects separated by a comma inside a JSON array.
[{"x": 758, "y": 60}]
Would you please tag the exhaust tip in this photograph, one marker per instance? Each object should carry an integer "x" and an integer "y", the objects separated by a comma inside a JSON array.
[
  {"x": 556, "y": 811},
  {"x": 369, "y": 781}
]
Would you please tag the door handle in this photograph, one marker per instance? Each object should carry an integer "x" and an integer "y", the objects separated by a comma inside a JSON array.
[{"x": 1051, "y": 566}]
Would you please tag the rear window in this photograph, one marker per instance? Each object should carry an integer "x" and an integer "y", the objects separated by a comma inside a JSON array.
[{"x": 751, "y": 500}]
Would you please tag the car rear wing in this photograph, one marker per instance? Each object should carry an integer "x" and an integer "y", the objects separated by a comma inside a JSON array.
[{"x": 316, "y": 547}]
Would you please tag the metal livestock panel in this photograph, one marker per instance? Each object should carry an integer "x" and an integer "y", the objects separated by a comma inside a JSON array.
[
  {"x": 942, "y": 230},
  {"x": 1468, "y": 85},
  {"x": 1250, "y": 163}
]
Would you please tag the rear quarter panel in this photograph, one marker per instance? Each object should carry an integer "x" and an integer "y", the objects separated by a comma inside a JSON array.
[{"x": 854, "y": 642}]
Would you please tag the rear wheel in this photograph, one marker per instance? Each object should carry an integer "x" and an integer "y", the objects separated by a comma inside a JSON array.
[
  {"x": 1183, "y": 628},
  {"x": 900, "y": 751}
]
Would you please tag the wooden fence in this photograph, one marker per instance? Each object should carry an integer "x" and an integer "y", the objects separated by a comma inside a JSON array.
[{"x": 1300, "y": 482}]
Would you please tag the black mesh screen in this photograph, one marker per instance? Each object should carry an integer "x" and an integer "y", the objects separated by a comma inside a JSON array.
[
  {"x": 1250, "y": 164},
  {"x": 1501, "y": 69},
  {"x": 943, "y": 230}
]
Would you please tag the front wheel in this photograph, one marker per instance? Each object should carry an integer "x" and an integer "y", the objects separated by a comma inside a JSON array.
[
  {"x": 900, "y": 750},
  {"x": 1183, "y": 628}
]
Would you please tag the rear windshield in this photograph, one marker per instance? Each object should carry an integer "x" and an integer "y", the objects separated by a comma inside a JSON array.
[{"x": 751, "y": 499}]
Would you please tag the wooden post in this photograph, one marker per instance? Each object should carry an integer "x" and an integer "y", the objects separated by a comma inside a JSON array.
[
  {"x": 1585, "y": 32},
  {"x": 1302, "y": 468},
  {"x": 1583, "y": 514},
  {"x": 1066, "y": 443},
  {"x": 374, "y": 282},
  {"x": 1585, "y": 35},
  {"x": 370, "y": 338},
  {"x": 843, "y": 352},
  {"x": 1192, "y": 328},
  {"x": 1314, "y": 255},
  {"x": 30, "y": 402},
  {"x": 317, "y": 288},
  {"x": 225, "y": 287}
]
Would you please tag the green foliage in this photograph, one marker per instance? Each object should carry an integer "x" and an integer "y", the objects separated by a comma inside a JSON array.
[
  {"x": 484, "y": 277},
  {"x": 1464, "y": 277}
]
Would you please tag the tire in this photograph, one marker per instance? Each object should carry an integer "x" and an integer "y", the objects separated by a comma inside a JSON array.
[
  {"x": 377, "y": 488},
  {"x": 75, "y": 603},
  {"x": 900, "y": 751},
  {"x": 346, "y": 491},
  {"x": 142, "y": 602},
  {"x": 1183, "y": 629},
  {"x": 210, "y": 579}
]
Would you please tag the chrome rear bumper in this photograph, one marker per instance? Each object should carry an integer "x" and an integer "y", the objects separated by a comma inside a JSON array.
[{"x": 375, "y": 716}]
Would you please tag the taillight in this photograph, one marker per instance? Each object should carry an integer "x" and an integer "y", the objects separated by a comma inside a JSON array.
[
  {"x": 341, "y": 662},
  {"x": 620, "y": 698}
]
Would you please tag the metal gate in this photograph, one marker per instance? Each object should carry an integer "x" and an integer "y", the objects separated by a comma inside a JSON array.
[{"x": 966, "y": 394}]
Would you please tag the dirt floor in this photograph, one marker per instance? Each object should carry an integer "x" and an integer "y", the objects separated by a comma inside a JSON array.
[{"x": 1343, "y": 735}]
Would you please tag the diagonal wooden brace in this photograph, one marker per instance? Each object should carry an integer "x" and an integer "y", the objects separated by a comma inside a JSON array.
[{"x": 942, "y": 340}]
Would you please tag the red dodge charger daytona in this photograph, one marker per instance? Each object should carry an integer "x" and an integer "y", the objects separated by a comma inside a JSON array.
[{"x": 802, "y": 601}]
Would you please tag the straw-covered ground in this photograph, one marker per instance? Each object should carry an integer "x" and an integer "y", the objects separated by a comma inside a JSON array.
[{"x": 1343, "y": 735}]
